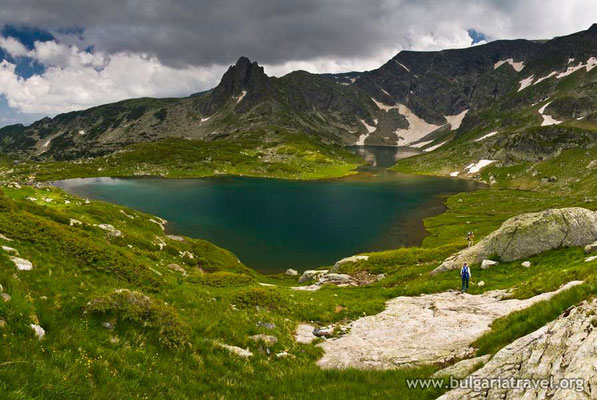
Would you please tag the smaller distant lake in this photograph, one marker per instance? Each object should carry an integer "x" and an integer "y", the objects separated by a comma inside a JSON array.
[
  {"x": 273, "y": 224},
  {"x": 380, "y": 157}
]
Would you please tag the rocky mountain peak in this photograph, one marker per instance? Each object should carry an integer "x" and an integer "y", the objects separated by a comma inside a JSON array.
[{"x": 244, "y": 75}]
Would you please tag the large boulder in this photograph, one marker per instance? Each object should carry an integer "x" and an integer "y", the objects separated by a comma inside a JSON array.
[
  {"x": 529, "y": 234},
  {"x": 311, "y": 274},
  {"x": 351, "y": 259}
]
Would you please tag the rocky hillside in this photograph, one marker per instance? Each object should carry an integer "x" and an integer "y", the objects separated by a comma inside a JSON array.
[{"x": 419, "y": 99}]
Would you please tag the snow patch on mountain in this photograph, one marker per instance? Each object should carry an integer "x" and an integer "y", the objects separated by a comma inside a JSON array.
[
  {"x": 589, "y": 65},
  {"x": 242, "y": 96},
  {"x": 421, "y": 144},
  {"x": 548, "y": 119},
  {"x": 552, "y": 73},
  {"x": 417, "y": 129},
  {"x": 490, "y": 134},
  {"x": 526, "y": 82},
  {"x": 383, "y": 106},
  {"x": 478, "y": 166},
  {"x": 364, "y": 136},
  {"x": 517, "y": 66},
  {"x": 402, "y": 65},
  {"x": 456, "y": 120},
  {"x": 428, "y": 149}
]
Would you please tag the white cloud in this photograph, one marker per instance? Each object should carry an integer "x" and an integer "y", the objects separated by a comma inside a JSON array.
[
  {"x": 454, "y": 39},
  {"x": 76, "y": 79},
  {"x": 328, "y": 65},
  {"x": 13, "y": 46}
]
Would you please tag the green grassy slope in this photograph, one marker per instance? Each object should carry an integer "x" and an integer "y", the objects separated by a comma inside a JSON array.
[
  {"x": 287, "y": 155},
  {"x": 164, "y": 327}
]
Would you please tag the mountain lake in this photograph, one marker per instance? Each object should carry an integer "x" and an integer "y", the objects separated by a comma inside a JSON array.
[{"x": 274, "y": 224}]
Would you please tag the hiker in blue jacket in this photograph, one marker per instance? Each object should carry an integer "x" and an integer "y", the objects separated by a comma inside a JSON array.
[{"x": 465, "y": 274}]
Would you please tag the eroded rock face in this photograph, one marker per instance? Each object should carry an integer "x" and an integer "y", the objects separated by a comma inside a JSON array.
[
  {"x": 529, "y": 234},
  {"x": 427, "y": 329},
  {"x": 563, "y": 349}
]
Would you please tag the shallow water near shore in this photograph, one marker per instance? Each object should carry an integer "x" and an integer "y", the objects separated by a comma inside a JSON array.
[{"x": 273, "y": 224}]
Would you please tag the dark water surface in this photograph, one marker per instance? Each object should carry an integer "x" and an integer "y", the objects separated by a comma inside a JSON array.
[{"x": 273, "y": 224}]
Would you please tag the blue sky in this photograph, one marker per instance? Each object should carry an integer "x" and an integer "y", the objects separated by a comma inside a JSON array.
[
  {"x": 61, "y": 56},
  {"x": 26, "y": 67}
]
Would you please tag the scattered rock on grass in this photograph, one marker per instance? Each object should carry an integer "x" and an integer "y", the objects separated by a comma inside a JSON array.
[
  {"x": 284, "y": 354},
  {"x": 481, "y": 283},
  {"x": 39, "y": 331},
  {"x": 186, "y": 253},
  {"x": 22, "y": 264},
  {"x": 5, "y": 296},
  {"x": 177, "y": 268},
  {"x": 268, "y": 340},
  {"x": 589, "y": 259},
  {"x": 175, "y": 238},
  {"x": 488, "y": 263},
  {"x": 73, "y": 222},
  {"x": 236, "y": 350},
  {"x": 291, "y": 272},
  {"x": 526, "y": 264},
  {"x": 266, "y": 325},
  {"x": 591, "y": 247},
  {"x": 110, "y": 229},
  {"x": 324, "y": 332},
  {"x": 10, "y": 250}
]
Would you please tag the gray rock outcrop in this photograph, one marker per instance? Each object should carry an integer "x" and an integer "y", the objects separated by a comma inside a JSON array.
[
  {"x": 428, "y": 329},
  {"x": 562, "y": 349},
  {"x": 529, "y": 234},
  {"x": 311, "y": 274},
  {"x": 463, "y": 368}
]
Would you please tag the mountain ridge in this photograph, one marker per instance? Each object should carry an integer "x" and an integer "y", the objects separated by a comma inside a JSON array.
[{"x": 419, "y": 99}]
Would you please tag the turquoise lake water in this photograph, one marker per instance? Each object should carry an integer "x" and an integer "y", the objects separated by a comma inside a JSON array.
[{"x": 273, "y": 224}]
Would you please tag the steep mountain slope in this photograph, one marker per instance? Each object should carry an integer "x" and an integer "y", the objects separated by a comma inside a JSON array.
[
  {"x": 540, "y": 135},
  {"x": 506, "y": 102},
  {"x": 409, "y": 97}
]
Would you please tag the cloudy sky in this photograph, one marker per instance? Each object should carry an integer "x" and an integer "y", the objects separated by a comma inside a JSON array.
[{"x": 60, "y": 55}]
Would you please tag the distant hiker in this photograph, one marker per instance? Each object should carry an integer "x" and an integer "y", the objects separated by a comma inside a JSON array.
[
  {"x": 465, "y": 274},
  {"x": 471, "y": 239}
]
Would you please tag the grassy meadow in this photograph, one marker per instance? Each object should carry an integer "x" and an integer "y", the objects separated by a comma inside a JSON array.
[{"x": 120, "y": 322}]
